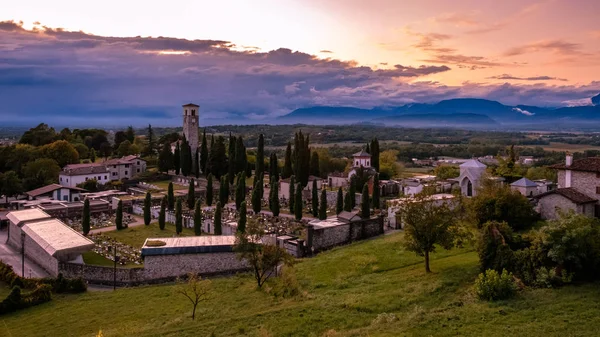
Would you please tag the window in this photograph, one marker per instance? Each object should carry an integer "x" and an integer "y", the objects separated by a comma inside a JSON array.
[
  {"x": 597, "y": 174},
  {"x": 597, "y": 189},
  {"x": 105, "y": 177},
  {"x": 61, "y": 179},
  {"x": 114, "y": 166},
  {"x": 67, "y": 179},
  {"x": 99, "y": 177},
  {"x": 138, "y": 162},
  {"x": 86, "y": 178},
  {"x": 126, "y": 166},
  {"x": 138, "y": 170},
  {"x": 126, "y": 173}
]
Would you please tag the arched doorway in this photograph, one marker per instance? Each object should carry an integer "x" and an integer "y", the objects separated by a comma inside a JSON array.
[{"x": 469, "y": 188}]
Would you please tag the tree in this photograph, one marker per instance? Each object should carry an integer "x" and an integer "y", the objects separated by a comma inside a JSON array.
[
  {"x": 323, "y": 205},
  {"x": 256, "y": 198},
  {"x": 191, "y": 196},
  {"x": 163, "y": 213},
  {"x": 217, "y": 161},
  {"x": 197, "y": 164},
  {"x": 446, "y": 172},
  {"x": 209, "y": 190},
  {"x": 241, "y": 158},
  {"x": 39, "y": 136},
  {"x": 147, "y": 206},
  {"x": 287, "y": 165},
  {"x": 130, "y": 134},
  {"x": 292, "y": 193},
  {"x": 40, "y": 172},
  {"x": 195, "y": 289},
  {"x": 120, "y": 137},
  {"x": 365, "y": 203},
  {"x": 231, "y": 169},
  {"x": 126, "y": 149},
  {"x": 198, "y": 218},
  {"x": 171, "y": 196},
  {"x": 260, "y": 157},
  {"x": 178, "y": 217},
  {"x": 339, "y": 206},
  {"x": 186, "y": 158},
  {"x": 274, "y": 204},
  {"x": 315, "y": 199},
  {"x": 314, "y": 164},
  {"x": 151, "y": 145},
  {"x": 11, "y": 185},
  {"x": 262, "y": 258},
  {"x": 119, "y": 216},
  {"x": 242, "y": 220},
  {"x": 352, "y": 191},
  {"x": 298, "y": 203},
  {"x": 82, "y": 150},
  {"x": 166, "y": 159},
  {"x": 348, "y": 202},
  {"x": 217, "y": 219},
  {"x": 93, "y": 155},
  {"x": 204, "y": 154},
  {"x": 375, "y": 154},
  {"x": 376, "y": 192},
  {"x": 428, "y": 224},
  {"x": 224, "y": 190},
  {"x": 85, "y": 218},
  {"x": 240, "y": 189},
  {"x": 273, "y": 167},
  {"x": 61, "y": 151},
  {"x": 177, "y": 159}
]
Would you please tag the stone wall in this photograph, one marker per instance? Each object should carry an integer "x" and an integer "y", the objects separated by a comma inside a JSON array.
[
  {"x": 103, "y": 275},
  {"x": 548, "y": 204},
  {"x": 584, "y": 182},
  {"x": 329, "y": 237}
]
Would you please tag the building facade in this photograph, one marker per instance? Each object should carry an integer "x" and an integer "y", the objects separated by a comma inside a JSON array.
[{"x": 191, "y": 118}]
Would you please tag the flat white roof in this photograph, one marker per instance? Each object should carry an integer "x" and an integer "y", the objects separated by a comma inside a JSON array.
[
  {"x": 55, "y": 237},
  {"x": 433, "y": 197},
  {"x": 19, "y": 217}
]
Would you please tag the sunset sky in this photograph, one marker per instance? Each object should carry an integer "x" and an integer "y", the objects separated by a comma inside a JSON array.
[{"x": 85, "y": 61}]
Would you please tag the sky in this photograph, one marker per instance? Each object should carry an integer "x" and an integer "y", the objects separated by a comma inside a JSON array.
[{"x": 103, "y": 62}]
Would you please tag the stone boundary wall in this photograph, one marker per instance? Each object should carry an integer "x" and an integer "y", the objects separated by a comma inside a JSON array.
[{"x": 329, "y": 237}]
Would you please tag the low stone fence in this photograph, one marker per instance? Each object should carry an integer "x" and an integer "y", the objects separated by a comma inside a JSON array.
[{"x": 329, "y": 237}]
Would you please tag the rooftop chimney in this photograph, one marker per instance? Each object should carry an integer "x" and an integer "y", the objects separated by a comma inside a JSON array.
[
  {"x": 569, "y": 159},
  {"x": 568, "y": 162}
]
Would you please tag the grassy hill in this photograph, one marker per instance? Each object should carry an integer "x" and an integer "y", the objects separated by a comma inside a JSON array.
[{"x": 344, "y": 291}]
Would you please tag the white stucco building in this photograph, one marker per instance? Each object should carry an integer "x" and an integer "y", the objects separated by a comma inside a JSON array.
[{"x": 75, "y": 174}]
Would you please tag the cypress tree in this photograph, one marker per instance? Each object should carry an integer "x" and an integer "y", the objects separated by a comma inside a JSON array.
[
  {"x": 177, "y": 159},
  {"x": 93, "y": 155},
  {"x": 368, "y": 149},
  {"x": 191, "y": 196},
  {"x": 240, "y": 190},
  {"x": 314, "y": 164},
  {"x": 186, "y": 160},
  {"x": 352, "y": 191},
  {"x": 197, "y": 164},
  {"x": 217, "y": 219},
  {"x": 315, "y": 199},
  {"x": 217, "y": 159},
  {"x": 273, "y": 167},
  {"x": 287, "y": 165},
  {"x": 119, "y": 216},
  {"x": 365, "y": 206},
  {"x": 339, "y": 206},
  {"x": 348, "y": 202},
  {"x": 292, "y": 193},
  {"x": 231, "y": 153},
  {"x": 256, "y": 198},
  {"x": 375, "y": 154},
  {"x": 260, "y": 157},
  {"x": 323, "y": 206},
  {"x": 275, "y": 198},
  {"x": 242, "y": 221},
  {"x": 150, "y": 147},
  {"x": 204, "y": 154},
  {"x": 223, "y": 191},
  {"x": 147, "y": 205},
  {"x": 165, "y": 158},
  {"x": 376, "y": 192},
  {"x": 189, "y": 158},
  {"x": 298, "y": 203},
  {"x": 178, "y": 217},
  {"x": 163, "y": 213},
  {"x": 209, "y": 190},
  {"x": 171, "y": 197},
  {"x": 85, "y": 221},
  {"x": 241, "y": 158},
  {"x": 198, "y": 218}
]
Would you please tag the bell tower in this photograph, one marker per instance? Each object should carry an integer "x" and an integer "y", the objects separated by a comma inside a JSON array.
[{"x": 191, "y": 113}]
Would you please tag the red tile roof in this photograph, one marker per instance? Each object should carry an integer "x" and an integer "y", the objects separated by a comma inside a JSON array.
[{"x": 591, "y": 164}]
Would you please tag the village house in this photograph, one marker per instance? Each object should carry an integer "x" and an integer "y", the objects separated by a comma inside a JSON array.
[
  {"x": 56, "y": 192},
  {"x": 525, "y": 186},
  {"x": 110, "y": 170},
  {"x": 361, "y": 159},
  {"x": 125, "y": 168}
]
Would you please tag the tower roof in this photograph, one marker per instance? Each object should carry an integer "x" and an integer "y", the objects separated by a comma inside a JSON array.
[
  {"x": 473, "y": 163},
  {"x": 191, "y": 104},
  {"x": 524, "y": 182},
  {"x": 362, "y": 153}
]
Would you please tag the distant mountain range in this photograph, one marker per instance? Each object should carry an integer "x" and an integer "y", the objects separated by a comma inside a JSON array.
[{"x": 458, "y": 113}]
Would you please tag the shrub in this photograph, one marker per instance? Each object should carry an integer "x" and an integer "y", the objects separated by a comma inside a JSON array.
[
  {"x": 155, "y": 243},
  {"x": 491, "y": 286}
]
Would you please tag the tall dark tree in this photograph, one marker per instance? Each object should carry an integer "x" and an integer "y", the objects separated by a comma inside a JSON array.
[
  {"x": 260, "y": 157},
  {"x": 217, "y": 159},
  {"x": 178, "y": 217},
  {"x": 348, "y": 202},
  {"x": 274, "y": 203},
  {"x": 298, "y": 203},
  {"x": 375, "y": 154},
  {"x": 352, "y": 191},
  {"x": 196, "y": 165},
  {"x": 223, "y": 190},
  {"x": 85, "y": 221},
  {"x": 365, "y": 204},
  {"x": 198, "y": 218},
  {"x": 292, "y": 193},
  {"x": 287, "y": 165},
  {"x": 273, "y": 167},
  {"x": 231, "y": 154},
  {"x": 314, "y": 164},
  {"x": 209, "y": 190},
  {"x": 376, "y": 192},
  {"x": 368, "y": 148},
  {"x": 93, "y": 155},
  {"x": 204, "y": 154},
  {"x": 166, "y": 160},
  {"x": 242, "y": 220},
  {"x": 171, "y": 197},
  {"x": 120, "y": 137},
  {"x": 186, "y": 157},
  {"x": 162, "y": 215},
  {"x": 315, "y": 199},
  {"x": 240, "y": 189},
  {"x": 217, "y": 219},
  {"x": 147, "y": 210},
  {"x": 151, "y": 142},
  {"x": 323, "y": 205},
  {"x": 241, "y": 158},
  {"x": 191, "y": 196},
  {"x": 339, "y": 205},
  {"x": 256, "y": 198},
  {"x": 130, "y": 134},
  {"x": 119, "y": 216},
  {"x": 177, "y": 159}
]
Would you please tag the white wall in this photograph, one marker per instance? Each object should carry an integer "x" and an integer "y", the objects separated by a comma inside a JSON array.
[{"x": 73, "y": 181}]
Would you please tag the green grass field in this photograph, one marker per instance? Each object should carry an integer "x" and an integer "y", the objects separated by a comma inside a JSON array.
[
  {"x": 562, "y": 147},
  {"x": 136, "y": 236},
  {"x": 343, "y": 292},
  {"x": 165, "y": 185}
]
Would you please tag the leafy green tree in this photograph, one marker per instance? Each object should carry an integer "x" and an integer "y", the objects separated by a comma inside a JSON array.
[
  {"x": 119, "y": 216},
  {"x": 85, "y": 219},
  {"x": 82, "y": 150},
  {"x": 256, "y": 198},
  {"x": 209, "y": 190},
  {"x": 315, "y": 199},
  {"x": 204, "y": 154},
  {"x": 376, "y": 192},
  {"x": 287, "y": 165},
  {"x": 323, "y": 205},
  {"x": 339, "y": 206},
  {"x": 260, "y": 157},
  {"x": 147, "y": 206},
  {"x": 198, "y": 218},
  {"x": 298, "y": 203},
  {"x": 240, "y": 189},
  {"x": 165, "y": 158},
  {"x": 178, "y": 217},
  {"x": 292, "y": 193},
  {"x": 427, "y": 225},
  {"x": 11, "y": 185},
  {"x": 171, "y": 197},
  {"x": 39, "y": 136},
  {"x": 61, "y": 151},
  {"x": 348, "y": 202},
  {"x": 40, "y": 172},
  {"x": 126, "y": 149},
  {"x": 242, "y": 220},
  {"x": 217, "y": 219},
  {"x": 177, "y": 159},
  {"x": 163, "y": 213},
  {"x": 365, "y": 204},
  {"x": 93, "y": 155},
  {"x": 130, "y": 133},
  {"x": 274, "y": 204},
  {"x": 446, "y": 172},
  {"x": 191, "y": 197},
  {"x": 314, "y": 164},
  {"x": 90, "y": 185}
]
